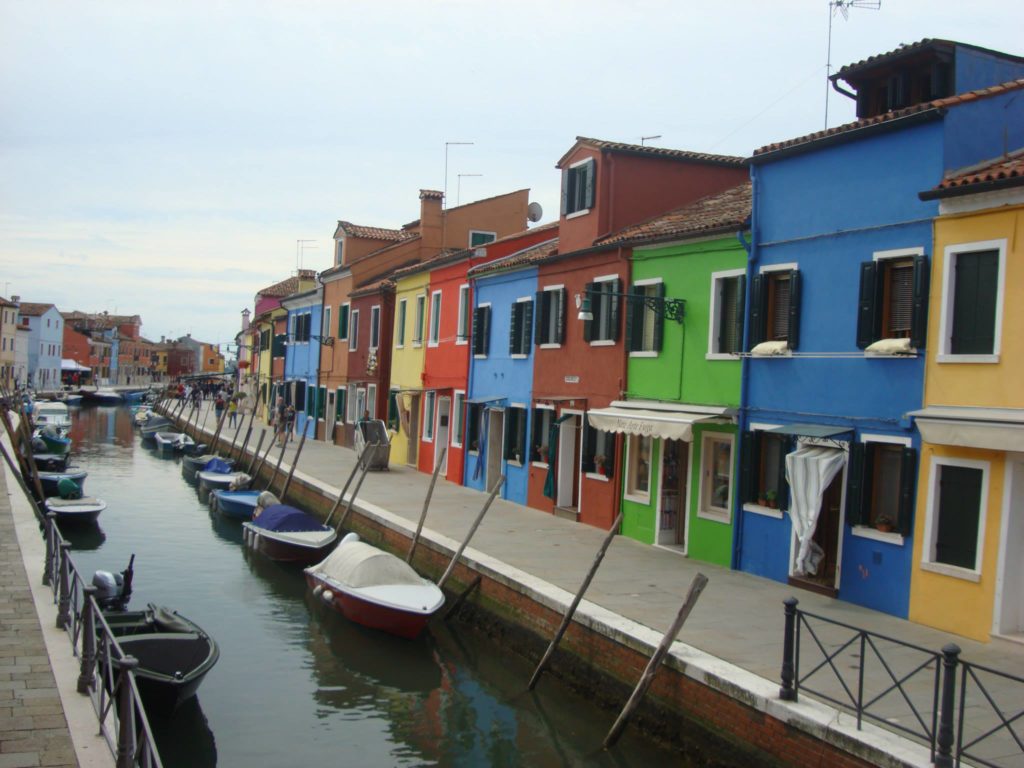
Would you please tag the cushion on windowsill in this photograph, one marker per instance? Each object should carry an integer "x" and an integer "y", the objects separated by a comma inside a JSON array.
[
  {"x": 890, "y": 347},
  {"x": 769, "y": 348}
]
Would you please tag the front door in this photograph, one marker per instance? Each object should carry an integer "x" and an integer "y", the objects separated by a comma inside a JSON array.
[
  {"x": 495, "y": 442},
  {"x": 672, "y": 523},
  {"x": 444, "y": 408},
  {"x": 414, "y": 430},
  {"x": 826, "y": 538},
  {"x": 568, "y": 461}
]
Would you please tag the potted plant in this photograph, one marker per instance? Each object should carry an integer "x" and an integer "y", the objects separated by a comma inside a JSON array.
[
  {"x": 771, "y": 498},
  {"x": 884, "y": 523},
  {"x": 599, "y": 463},
  {"x": 542, "y": 452}
]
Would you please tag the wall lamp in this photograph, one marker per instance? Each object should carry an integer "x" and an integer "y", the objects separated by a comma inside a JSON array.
[
  {"x": 669, "y": 309},
  {"x": 289, "y": 338}
]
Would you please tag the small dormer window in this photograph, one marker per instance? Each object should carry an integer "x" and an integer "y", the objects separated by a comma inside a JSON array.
[{"x": 578, "y": 187}]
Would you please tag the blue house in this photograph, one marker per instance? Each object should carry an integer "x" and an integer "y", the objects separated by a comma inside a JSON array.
[
  {"x": 501, "y": 373},
  {"x": 302, "y": 358},
  {"x": 837, "y": 298}
]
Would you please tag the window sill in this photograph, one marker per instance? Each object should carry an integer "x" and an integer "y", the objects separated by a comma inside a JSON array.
[
  {"x": 952, "y": 570},
  {"x": 353, "y": 349},
  {"x": 550, "y": 346},
  {"x": 867, "y": 532},
  {"x": 948, "y": 358},
  {"x": 417, "y": 344},
  {"x": 462, "y": 342},
  {"x": 426, "y": 439},
  {"x": 519, "y": 356},
  {"x": 479, "y": 357},
  {"x": 540, "y": 464},
  {"x": 714, "y": 516},
  {"x": 636, "y": 497},
  {"x": 603, "y": 479},
  {"x": 721, "y": 356},
  {"x": 513, "y": 463},
  {"x": 644, "y": 353},
  {"x": 433, "y": 344},
  {"x": 603, "y": 343},
  {"x": 399, "y": 346},
  {"x": 473, "y": 453},
  {"x": 577, "y": 214},
  {"x": 757, "y": 509}
]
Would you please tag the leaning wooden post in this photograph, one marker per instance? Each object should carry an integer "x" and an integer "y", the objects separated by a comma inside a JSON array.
[
  {"x": 295, "y": 463},
  {"x": 263, "y": 460},
  {"x": 28, "y": 454},
  {"x": 277, "y": 467},
  {"x": 476, "y": 524},
  {"x": 426, "y": 503},
  {"x": 24, "y": 486},
  {"x": 351, "y": 476},
  {"x": 248, "y": 431},
  {"x": 256, "y": 453},
  {"x": 696, "y": 587},
  {"x": 355, "y": 491},
  {"x": 87, "y": 669},
  {"x": 51, "y": 545},
  {"x": 216, "y": 432},
  {"x": 571, "y": 610}
]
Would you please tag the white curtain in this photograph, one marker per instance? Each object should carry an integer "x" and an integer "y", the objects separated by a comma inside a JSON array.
[{"x": 809, "y": 470}]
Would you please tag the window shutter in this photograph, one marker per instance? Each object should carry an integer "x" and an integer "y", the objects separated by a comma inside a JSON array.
[
  {"x": 868, "y": 316},
  {"x": 788, "y": 446},
  {"x": 565, "y": 190},
  {"x": 793, "y": 338},
  {"x": 478, "y": 330},
  {"x": 342, "y": 322},
  {"x": 919, "y": 316},
  {"x": 659, "y": 318},
  {"x": 485, "y": 331},
  {"x": 908, "y": 480},
  {"x": 527, "y": 326},
  {"x": 748, "y": 478},
  {"x": 855, "y": 485},
  {"x": 560, "y": 320},
  {"x": 757, "y": 306},
  {"x": 613, "y": 304},
  {"x": 741, "y": 291},
  {"x": 591, "y": 166},
  {"x": 513, "y": 331},
  {"x": 543, "y": 312},
  {"x": 595, "y": 309},
  {"x": 521, "y": 434},
  {"x": 631, "y": 323}
]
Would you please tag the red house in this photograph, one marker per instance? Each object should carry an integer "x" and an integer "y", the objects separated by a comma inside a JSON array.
[{"x": 369, "y": 355}]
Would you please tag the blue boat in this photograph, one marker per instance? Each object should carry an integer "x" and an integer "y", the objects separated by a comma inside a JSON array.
[{"x": 236, "y": 504}]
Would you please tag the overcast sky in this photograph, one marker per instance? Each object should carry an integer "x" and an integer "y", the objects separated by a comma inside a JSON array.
[{"x": 165, "y": 158}]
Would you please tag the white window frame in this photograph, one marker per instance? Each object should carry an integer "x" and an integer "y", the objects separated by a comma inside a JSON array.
[
  {"x": 469, "y": 238},
  {"x": 326, "y": 329},
  {"x": 430, "y": 396},
  {"x": 640, "y": 498},
  {"x": 464, "y": 321},
  {"x": 643, "y": 284},
  {"x": 483, "y": 356},
  {"x": 703, "y": 510},
  {"x": 577, "y": 164},
  {"x": 360, "y": 395},
  {"x": 375, "y": 326},
  {"x": 537, "y": 313},
  {"x": 715, "y": 316},
  {"x": 533, "y": 427},
  {"x": 351, "y": 404},
  {"x": 931, "y": 529},
  {"x": 458, "y": 417},
  {"x": 371, "y": 400},
  {"x": 950, "y": 254},
  {"x": 400, "y": 323},
  {"x": 434, "y": 323},
  {"x": 419, "y": 320},
  {"x": 603, "y": 342},
  {"x": 346, "y": 309},
  {"x": 353, "y": 330},
  {"x": 867, "y": 531}
]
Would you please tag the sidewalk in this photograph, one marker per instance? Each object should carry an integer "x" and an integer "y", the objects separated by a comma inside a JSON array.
[{"x": 738, "y": 619}]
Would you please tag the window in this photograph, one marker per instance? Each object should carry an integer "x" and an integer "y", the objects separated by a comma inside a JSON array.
[
  {"x": 458, "y": 417},
  {"x": 551, "y": 320},
  {"x": 417, "y": 329},
  {"x": 339, "y": 251},
  {"x": 775, "y": 307},
  {"x": 515, "y": 434},
  {"x": 716, "y": 477},
  {"x": 353, "y": 332},
  {"x": 638, "y": 470},
  {"x": 321, "y": 402},
  {"x": 277, "y": 348},
  {"x": 400, "y": 324},
  {"x": 326, "y": 325},
  {"x": 521, "y": 328},
  {"x": 481, "y": 330},
  {"x": 299, "y": 398},
  {"x": 578, "y": 187},
  {"x": 311, "y": 405},
  {"x": 371, "y": 400},
  {"x": 435, "y": 318},
  {"x": 893, "y": 300},
  {"x": 339, "y": 405},
  {"x": 428, "y": 415},
  {"x": 360, "y": 403},
  {"x": 605, "y": 309},
  {"x": 343, "y": 322},
  {"x": 973, "y": 287},
  {"x": 462, "y": 332},
  {"x": 474, "y": 421},
  {"x": 353, "y": 405},
  {"x": 643, "y": 324},
  {"x": 725, "y": 326},
  {"x": 540, "y": 444},
  {"x": 374, "y": 327},
  {"x": 394, "y": 415},
  {"x": 478, "y": 237},
  {"x": 956, "y": 514},
  {"x": 880, "y": 485},
  {"x": 763, "y": 469}
]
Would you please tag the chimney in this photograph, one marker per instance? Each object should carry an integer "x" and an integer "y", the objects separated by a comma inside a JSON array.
[
  {"x": 245, "y": 319},
  {"x": 431, "y": 221}
]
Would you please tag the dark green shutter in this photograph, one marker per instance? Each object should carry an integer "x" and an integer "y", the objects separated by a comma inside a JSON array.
[
  {"x": 277, "y": 347},
  {"x": 868, "y": 316},
  {"x": 514, "y": 335},
  {"x": 486, "y": 331},
  {"x": 591, "y": 168},
  {"x": 543, "y": 310},
  {"x": 956, "y": 541},
  {"x": 659, "y": 318},
  {"x": 613, "y": 304},
  {"x": 855, "y": 501},
  {"x": 592, "y": 298},
  {"x": 741, "y": 291},
  {"x": 782, "y": 486},
  {"x": 560, "y": 320},
  {"x": 974, "y": 303},
  {"x": 908, "y": 480},
  {"x": 793, "y": 339},
  {"x": 343, "y": 322},
  {"x": 566, "y": 172},
  {"x": 758, "y": 287},
  {"x": 527, "y": 326},
  {"x": 748, "y": 477},
  {"x": 919, "y": 316},
  {"x": 521, "y": 435}
]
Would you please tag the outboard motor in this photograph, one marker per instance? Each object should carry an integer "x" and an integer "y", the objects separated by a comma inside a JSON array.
[{"x": 114, "y": 590}]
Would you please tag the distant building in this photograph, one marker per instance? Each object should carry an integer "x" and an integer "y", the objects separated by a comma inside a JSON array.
[
  {"x": 45, "y": 342},
  {"x": 8, "y": 334}
]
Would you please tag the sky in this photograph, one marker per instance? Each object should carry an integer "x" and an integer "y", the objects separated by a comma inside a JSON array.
[{"x": 169, "y": 159}]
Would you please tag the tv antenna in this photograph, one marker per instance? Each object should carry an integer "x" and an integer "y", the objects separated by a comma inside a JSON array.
[
  {"x": 300, "y": 248},
  {"x": 843, "y": 7},
  {"x": 458, "y": 186},
  {"x": 444, "y": 198},
  {"x": 644, "y": 139}
]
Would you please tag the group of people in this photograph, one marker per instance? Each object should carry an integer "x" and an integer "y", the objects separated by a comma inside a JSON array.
[{"x": 223, "y": 397}]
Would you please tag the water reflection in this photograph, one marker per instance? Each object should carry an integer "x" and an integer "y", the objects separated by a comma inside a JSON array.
[
  {"x": 186, "y": 739},
  {"x": 83, "y": 536}
]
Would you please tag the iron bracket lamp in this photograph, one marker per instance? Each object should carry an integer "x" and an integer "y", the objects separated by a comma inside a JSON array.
[{"x": 669, "y": 309}]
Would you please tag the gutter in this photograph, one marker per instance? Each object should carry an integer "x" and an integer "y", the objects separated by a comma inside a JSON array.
[{"x": 742, "y": 415}]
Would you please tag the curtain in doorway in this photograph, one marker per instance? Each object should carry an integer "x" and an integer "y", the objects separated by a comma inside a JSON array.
[
  {"x": 481, "y": 442},
  {"x": 809, "y": 470},
  {"x": 550, "y": 483}
]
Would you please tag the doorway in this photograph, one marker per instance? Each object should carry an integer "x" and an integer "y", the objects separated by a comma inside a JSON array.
[
  {"x": 495, "y": 441},
  {"x": 444, "y": 409},
  {"x": 568, "y": 459},
  {"x": 672, "y": 502},
  {"x": 412, "y": 450},
  {"x": 1010, "y": 589},
  {"x": 825, "y": 540}
]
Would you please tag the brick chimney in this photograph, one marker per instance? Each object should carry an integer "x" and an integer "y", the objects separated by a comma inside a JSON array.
[{"x": 431, "y": 221}]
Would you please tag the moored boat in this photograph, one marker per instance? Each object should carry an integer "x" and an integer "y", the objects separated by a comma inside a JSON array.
[
  {"x": 55, "y": 439},
  {"x": 84, "y": 510},
  {"x": 155, "y": 423},
  {"x": 287, "y": 534},
  {"x": 239, "y": 505},
  {"x": 168, "y": 440},
  {"x": 190, "y": 465},
  {"x": 102, "y": 396},
  {"x": 50, "y": 480},
  {"x": 374, "y": 588},
  {"x": 214, "y": 480},
  {"x": 46, "y": 412}
]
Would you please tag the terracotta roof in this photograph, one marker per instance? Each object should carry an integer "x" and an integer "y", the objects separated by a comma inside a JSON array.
[
  {"x": 287, "y": 286},
  {"x": 431, "y": 194},
  {"x": 446, "y": 256},
  {"x": 936, "y": 105},
  {"x": 32, "y": 309},
  {"x": 908, "y": 49},
  {"x": 526, "y": 257},
  {"x": 638, "y": 149},
  {"x": 1007, "y": 171},
  {"x": 371, "y": 233},
  {"x": 378, "y": 286},
  {"x": 726, "y": 210},
  {"x": 5, "y": 303}
]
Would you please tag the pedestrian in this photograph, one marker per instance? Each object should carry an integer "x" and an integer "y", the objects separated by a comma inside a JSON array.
[
  {"x": 232, "y": 411},
  {"x": 218, "y": 407},
  {"x": 289, "y": 417},
  {"x": 279, "y": 420}
]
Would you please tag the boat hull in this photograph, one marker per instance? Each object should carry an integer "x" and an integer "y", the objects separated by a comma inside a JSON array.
[
  {"x": 283, "y": 549},
  {"x": 236, "y": 504},
  {"x": 49, "y": 480},
  {"x": 388, "y": 619},
  {"x": 84, "y": 510}
]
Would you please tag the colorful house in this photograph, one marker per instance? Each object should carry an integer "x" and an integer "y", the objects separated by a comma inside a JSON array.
[
  {"x": 838, "y": 292},
  {"x": 45, "y": 343},
  {"x": 969, "y": 555},
  {"x": 302, "y": 358},
  {"x": 369, "y": 366},
  {"x": 8, "y": 333},
  {"x": 678, "y": 414}
]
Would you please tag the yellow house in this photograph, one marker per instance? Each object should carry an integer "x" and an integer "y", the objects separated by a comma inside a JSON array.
[
  {"x": 407, "y": 362},
  {"x": 968, "y": 574}
]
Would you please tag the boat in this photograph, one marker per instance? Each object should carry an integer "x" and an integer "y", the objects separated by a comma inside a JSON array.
[
  {"x": 55, "y": 439},
  {"x": 102, "y": 396},
  {"x": 51, "y": 412},
  {"x": 155, "y": 423},
  {"x": 374, "y": 588},
  {"x": 85, "y": 509},
  {"x": 51, "y": 462},
  {"x": 287, "y": 534},
  {"x": 168, "y": 441},
  {"x": 211, "y": 480},
  {"x": 50, "y": 480},
  {"x": 239, "y": 505},
  {"x": 190, "y": 465},
  {"x": 185, "y": 444}
]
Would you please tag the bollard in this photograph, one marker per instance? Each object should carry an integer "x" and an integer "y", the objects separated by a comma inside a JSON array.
[
  {"x": 85, "y": 674},
  {"x": 944, "y": 738},
  {"x": 64, "y": 598},
  {"x": 125, "y": 713},
  {"x": 51, "y": 528},
  {"x": 788, "y": 691}
]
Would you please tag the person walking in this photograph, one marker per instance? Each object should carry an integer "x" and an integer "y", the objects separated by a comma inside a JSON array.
[
  {"x": 289, "y": 418},
  {"x": 232, "y": 411},
  {"x": 279, "y": 420},
  {"x": 218, "y": 407}
]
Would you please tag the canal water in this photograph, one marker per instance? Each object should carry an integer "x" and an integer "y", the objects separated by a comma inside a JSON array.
[{"x": 296, "y": 684}]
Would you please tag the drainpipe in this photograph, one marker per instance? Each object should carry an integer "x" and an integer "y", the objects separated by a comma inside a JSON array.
[{"x": 742, "y": 416}]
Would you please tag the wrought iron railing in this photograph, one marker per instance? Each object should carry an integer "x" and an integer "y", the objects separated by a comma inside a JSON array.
[{"x": 1001, "y": 696}]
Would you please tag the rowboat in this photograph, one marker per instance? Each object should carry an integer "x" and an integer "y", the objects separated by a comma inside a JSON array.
[
  {"x": 83, "y": 510},
  {"x": 236, "y": 504},
  {"x": 50, "y": 480},
  {"x": 168, "y": 440}
]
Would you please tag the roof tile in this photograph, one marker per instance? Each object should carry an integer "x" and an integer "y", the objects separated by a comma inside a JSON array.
[
  {"x": 532, "y": 255},
  {"x": 643, "y": 149}
]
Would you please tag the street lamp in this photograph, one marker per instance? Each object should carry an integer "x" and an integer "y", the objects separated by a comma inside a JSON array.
[{"x": 670, "y": 309}]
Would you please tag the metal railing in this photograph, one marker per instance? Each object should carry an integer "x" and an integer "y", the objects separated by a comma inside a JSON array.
[
  {"x": 106, "y": 673},
  {"x": 906, "y": 688}
]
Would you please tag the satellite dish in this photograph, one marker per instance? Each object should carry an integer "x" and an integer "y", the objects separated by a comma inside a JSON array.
[{"x": 534, "y": 212}]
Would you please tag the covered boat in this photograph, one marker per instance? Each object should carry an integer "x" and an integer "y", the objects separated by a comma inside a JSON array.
[
  {"x": 191, "y": 465},
  {"x": 55, "y": 438},
  {"x": 50, "y": 480},
  {"x": 287, "y": 534},
  {"x": 237, "y": 504},
  {"x": 85, "y": 509},
  {"x": 374, "y": 588},
  {"x": 155, "y": 423},
  {"x": 211, "y": 480}
]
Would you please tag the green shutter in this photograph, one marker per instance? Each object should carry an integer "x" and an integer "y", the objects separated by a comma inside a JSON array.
[
  {"x": 782, "y": 487},
  {"x": 613, "y": 304},
  {"x": 868, "y": 316},
  {"x": 560, "y": 320},
  {"x": 543, "y": 313},
  {"x": 527, "y": 325},
  {"x": 855, "y": 498},
  {"x": 793, "y": 337},
  {"x": 956, "y": 541},
  {"x": 758, "y": 303},
  {"x": 631, "y": 324},
  {"x": 919, "y": 315},
  {"x": 478, "y": 331},
  {"x": 343, "y": 322},
  {"x": 337, "y": 404},
  {"x": 595, "y": 308},
  {"x": 908, "y": 480},
  {"x": 321, "y": 402},
  {"x": 748, "y": 478},
  {"x": 974, "y": 303},
  {"x": 485, "y": 331},
  {"x": 590, "y": 171},
  {"x": 565, "y": 190}
]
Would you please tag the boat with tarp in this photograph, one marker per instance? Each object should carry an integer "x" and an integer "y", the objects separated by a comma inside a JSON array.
[{"x": 287, "y": 534}]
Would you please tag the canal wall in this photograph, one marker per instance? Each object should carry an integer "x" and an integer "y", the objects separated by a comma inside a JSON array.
[{"x": 717, "y": 712}]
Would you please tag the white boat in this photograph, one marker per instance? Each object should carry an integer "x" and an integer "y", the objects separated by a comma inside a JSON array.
[
  {"x": 212, "y": 481},
  {"x": 85, "y": 509},
  {"x": 47, "y": 412},
  {"x": 168, "y": 441}
]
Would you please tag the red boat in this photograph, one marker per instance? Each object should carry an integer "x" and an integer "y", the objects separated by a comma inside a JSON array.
[
  {"x": 289, "y": 535},
  {"x": 374, "y": 588}
]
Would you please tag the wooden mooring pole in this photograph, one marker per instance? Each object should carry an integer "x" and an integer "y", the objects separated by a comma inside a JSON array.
[
  {"x": 426, "y": 503},
  {"x": 295, "y": 463},
  {"x": 355, "y": 491},
  {"x": 277, "y": 467},
  {"x": 476, "y": 524},
  {"x": 696, "y": 587},
  {"x": 351, "y": 476},
  {"x": 571, "y": 610}
]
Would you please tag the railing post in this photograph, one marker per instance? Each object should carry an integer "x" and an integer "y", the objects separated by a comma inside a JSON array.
[
  {"x": 87, "y": 672},
  {"x": 125, "y": 713},
  {"x": 51, "y": 534},
  {"x": 944, "y": 740},
  {"x": 788, "y": 692},
  {"x": 64, "y": 597}
]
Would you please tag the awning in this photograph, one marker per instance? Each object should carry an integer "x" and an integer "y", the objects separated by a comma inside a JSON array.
[
  {"x": 809, "y": 430},
  {"x": 72, "y": 365},
  {"x": 1000, "y": 429},
  {"x": 667, "y": 425}
]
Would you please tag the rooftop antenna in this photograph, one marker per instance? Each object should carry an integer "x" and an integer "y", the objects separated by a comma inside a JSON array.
[
  {"x": 458, "y": 186},
  {"x": 843, "y": 7},
  {"x": 444, "y": 200},
  {"x": 648, "y": 138},
  {"x": 300, "y": 247}
]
